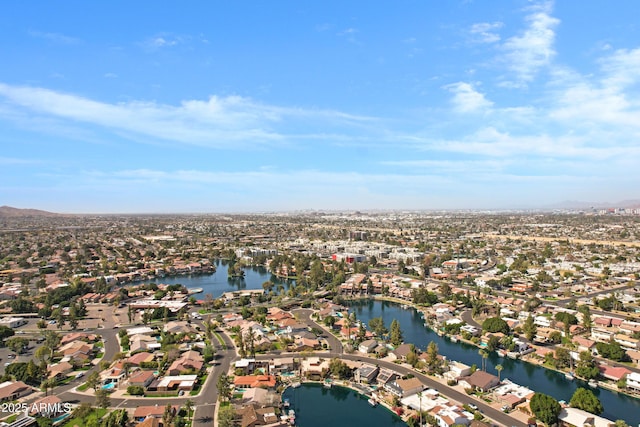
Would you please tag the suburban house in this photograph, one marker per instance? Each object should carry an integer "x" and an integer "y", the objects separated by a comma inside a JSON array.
[
  {"x": 48, "y": 407},
  {"x": 367, "y": 346},
  {"x": 404, "y": 388},
  {"x": 480, "y": 380},
  {"x": 366, "y": 373},
  {"x": 251, "y": 381},
  {"x": 457, "y": 370},
  {"x": 577, "y": 417},
  {"x": 142, "y": 378},
  {"x": 153, "y": 411},
  {"x": 386, "y": 376},
  {"x": 12, "y": 390}
]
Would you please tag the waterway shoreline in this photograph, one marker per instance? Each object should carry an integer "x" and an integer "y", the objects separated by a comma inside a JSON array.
[{"x": 527, "y": 359}]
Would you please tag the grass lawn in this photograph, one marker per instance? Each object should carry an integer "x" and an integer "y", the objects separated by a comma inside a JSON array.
[
  {"x": 83, "y": 387},
  {"x": 219, "y": 337},
  {"x": 96, "y": 414}
]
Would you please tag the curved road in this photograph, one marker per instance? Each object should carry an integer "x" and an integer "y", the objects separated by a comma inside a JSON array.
[{"x": 205, "y": 402}]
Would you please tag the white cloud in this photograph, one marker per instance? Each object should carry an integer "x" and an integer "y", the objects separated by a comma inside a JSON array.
[
  {"x": 485, "y": 32},
  {"x": 527, "y": 53},
  {"x": 466, "y": 99},
  {"x": 231, "y": 121},
  {"x": 54, "y": 37}
]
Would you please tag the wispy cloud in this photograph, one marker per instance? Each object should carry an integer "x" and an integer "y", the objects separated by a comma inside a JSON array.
[
  {"x": 231, "y": 121},
  {"x": 485, "y": 32},
  {"x": 466, "y": 99},
  {"x": 527, "y": 53},
  {"x": 7, "y": 161},
  {"x": 163, "y": 40},
  {"x": 54, "y": 37}
]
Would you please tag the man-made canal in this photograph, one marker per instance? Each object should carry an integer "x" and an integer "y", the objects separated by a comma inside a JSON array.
[
  {"x": 316, "y": 406},
  {"x": 219, "y": 282},
  {"x": 616, "y": 405}
]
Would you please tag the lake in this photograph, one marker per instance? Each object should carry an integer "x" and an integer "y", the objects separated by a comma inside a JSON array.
[
  {"x": 616, "y": 405},
  {"x": 219, "y": 282},
  {"x": 317, "y": 406}
]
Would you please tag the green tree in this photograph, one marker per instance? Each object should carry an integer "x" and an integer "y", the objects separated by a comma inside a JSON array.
[
  {"x": 434, "y": 363},
  {"x": 529, "y": 328},
  {"x": 6, "y": 332},
  {"x": 395, "y": 333},
  {"x": 93, "y": 380},
  {"x": 377, "y": 326},
  {"x": 168, "y": 415},
  {"x": 224, "y": 387},
  {"x": 226, "y": 415},
  {"x": 495, "y": 324},
  {"x": 545, "y": 408},
  {"x": 17, "y": 344},
  {"x": 587, "y": 367},
  {"x": 102, "y": 398},
  {"x": 587, "y": 401}
]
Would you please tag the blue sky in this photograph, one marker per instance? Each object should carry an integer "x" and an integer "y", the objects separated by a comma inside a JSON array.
[{"x": 136, "y": 107}]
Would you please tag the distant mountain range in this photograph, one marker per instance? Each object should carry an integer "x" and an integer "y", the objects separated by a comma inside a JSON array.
[
  {"x": 573, "y": 204},
  {"x": 10, "y": 212}
]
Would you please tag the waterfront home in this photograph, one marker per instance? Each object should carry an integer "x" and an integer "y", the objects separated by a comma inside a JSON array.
[
  {"x": 429, "y": 399},
  {"x": 472, "y": 330},
  {"x": 446, "y": 415},
  {"x": 367, "y": 346},
  {"x": 282, "y": 364},
  {"x": 614, "y": 373},
  {"x": 252, "y": 415},
  {"x": 577, "y": 417},
  {"x": 250, "y": 381},
  {"x": 366, "y": 373},
  {"x": 403, "y": 388},
  {"x": 402, "y": 351},
  {"x": 314, "y": 367},
  {"x": 255, "y": 395},
  {"x": 386, "y": 376},
  {"x": 479, "y": 380},
  {"x": 633, "y": 381},
  {"x": 512, "y": 394},
  {"x": 457, "y": 370}
]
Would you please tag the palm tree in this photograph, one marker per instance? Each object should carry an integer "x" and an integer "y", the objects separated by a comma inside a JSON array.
[
  {"x": 484, "y": 355},
  {"x": 420, "y": 409},
  {"x": 188, "y": 405},
  {"x": 499, "y": 368}
]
